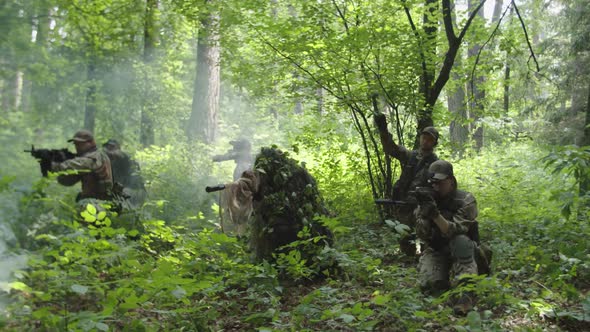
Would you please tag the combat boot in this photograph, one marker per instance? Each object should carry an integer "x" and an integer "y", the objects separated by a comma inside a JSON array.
[{"x": 464, "y": 304}]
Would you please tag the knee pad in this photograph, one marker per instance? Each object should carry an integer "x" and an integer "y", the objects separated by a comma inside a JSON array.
[{"x": 462, "y": 248}]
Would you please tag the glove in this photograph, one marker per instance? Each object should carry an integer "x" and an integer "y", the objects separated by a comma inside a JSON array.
[
  {"x": 380, "y": 122},
  {"x": 428, "y": 210},
  {"x": 424, "y": 229}
]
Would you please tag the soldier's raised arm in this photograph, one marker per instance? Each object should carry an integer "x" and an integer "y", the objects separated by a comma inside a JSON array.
[{"x": 389, "y": 146}]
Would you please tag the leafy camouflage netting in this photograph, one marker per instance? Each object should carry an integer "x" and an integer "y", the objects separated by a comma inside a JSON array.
[{"x": 285, "y": 207}]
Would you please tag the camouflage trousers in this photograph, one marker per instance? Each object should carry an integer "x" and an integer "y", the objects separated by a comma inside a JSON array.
[{"x": 440, "y": 269}]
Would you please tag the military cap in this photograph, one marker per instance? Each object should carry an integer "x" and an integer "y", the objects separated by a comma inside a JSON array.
[
  {"x": 82, "y": 135},
  {"x": 112, "y": 143},
  {"x": 430, "y": 131},
  {"x": 440, "y": 170}
]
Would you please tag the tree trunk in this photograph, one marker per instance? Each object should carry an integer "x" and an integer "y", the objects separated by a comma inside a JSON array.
[
  {"x": 320, "y": 100},
  {"x": 428, "y": 68},
  {"x": 9, "y": 91},
  {"x": 203, "y": 119},
  {"x": 585, "y": 181},
  {"x": 90, "y": 110},
  {"x": 458, "y": 129},
  {"x": 476, "y": 92},
  {"x": 149, "y": 100},
  {"x": 39, "y": 92},
  {"x": 507, "y": 85}
]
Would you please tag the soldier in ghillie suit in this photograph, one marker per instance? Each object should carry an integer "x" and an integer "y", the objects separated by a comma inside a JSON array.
[
  {"x": 241, "y": 154},
  {"x": 93, "y": 166},
  {"x": 414, "y": 166},
  {"x": 285, "y": 203},
  {"x": 127, "y": 180},
  {"x": 448, "y": 226}
]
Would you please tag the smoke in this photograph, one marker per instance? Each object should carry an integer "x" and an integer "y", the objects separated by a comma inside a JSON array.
[{"x": 9, "y": 261}]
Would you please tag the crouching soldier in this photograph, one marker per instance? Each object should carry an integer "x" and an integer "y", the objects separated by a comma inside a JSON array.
[
  {"x": 280, "y": 202},
  {"x": 448, "y": 226}
]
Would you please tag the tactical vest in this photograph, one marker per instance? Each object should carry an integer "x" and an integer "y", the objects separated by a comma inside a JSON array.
[
  {"x": 448, "y": 208},
  {"x": 414, "y": 174}
]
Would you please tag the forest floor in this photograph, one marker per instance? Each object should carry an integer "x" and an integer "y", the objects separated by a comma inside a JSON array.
[{"x": 385, "y": 297}]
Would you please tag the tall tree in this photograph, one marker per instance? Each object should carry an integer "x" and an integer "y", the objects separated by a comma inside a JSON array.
[
  {"x": 476, "y": 92},
  {"x": 148, "y": 107},
  {"x": 203, "y": 119},
  {"x": 458, "y": 129}
]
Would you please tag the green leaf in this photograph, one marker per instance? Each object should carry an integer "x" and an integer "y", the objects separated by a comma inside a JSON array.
[
  {"x": 346, "y": 318},
  {"x": 19, "y": 286},
  {"x": 87, "y": 216},
  {"x": 102, "y": 326},
  {"x": 101, "y": 215},
  {"x": 381, "y": 299},
  {"x": 91, "y": 209},
  {"x": 79, "y": 289}
]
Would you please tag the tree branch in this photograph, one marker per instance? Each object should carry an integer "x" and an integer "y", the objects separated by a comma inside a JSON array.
[{"x": 526, "y": 35}]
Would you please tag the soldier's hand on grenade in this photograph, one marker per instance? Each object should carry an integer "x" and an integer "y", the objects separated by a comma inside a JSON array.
[{"x": 380, "y": 121}]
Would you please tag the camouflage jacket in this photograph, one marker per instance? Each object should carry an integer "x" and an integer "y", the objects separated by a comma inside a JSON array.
[
  {"x": 414, "y": 174},
  {"x": 95, "y": 174},
  {"x": 460, "y": 209},
  {"x": 125, "y": 170}
]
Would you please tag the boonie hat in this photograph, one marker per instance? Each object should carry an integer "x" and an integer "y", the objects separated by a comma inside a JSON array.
[
  {"x": 430, "y": 131},
  {"x": 440, "y": 170},
  {"x": 82, "y": 136}
]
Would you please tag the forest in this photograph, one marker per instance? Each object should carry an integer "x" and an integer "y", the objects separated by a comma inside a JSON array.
[{"x": 178, "y": 82}]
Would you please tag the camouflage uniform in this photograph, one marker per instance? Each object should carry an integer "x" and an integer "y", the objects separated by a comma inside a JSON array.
[
  {"x": 125, "y": 173},
  {"x": 94, "y": 169},
  {"x": 451, "y": 255},
  {"x": 240, "y": 154}
]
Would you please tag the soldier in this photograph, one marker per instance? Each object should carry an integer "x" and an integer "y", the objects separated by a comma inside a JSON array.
[
  {"x": 281, "y": 200},
  {"x": 125, "y": 172},
  {"x": 414, "y": 165},
  {"x": 241, "y": 154},
  {"x": 94, "y": 169},
  {"x": 448, "y": 226}
]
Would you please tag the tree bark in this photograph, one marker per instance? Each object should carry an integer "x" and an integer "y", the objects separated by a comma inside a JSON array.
[
  {"x": 38, "y": 91},
  {"x": 458, "y": 129},
  {"x": 149, "y": 100},
  {"x": 203, "y": 120},
  {"x": 476, "y": 92},
  {"x": 428, "y": 69}
]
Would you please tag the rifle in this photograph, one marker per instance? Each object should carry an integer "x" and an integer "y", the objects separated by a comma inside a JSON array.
[
  {"x": 218, "y": 187},
  {"x": 46, "y": 156},
  {"x": 414, "y": 198}
]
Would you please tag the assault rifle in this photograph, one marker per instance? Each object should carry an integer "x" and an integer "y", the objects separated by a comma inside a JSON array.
[
  {"x": 218, "y": 187},
  {"x": 415, "y": 197},
  {"x": 46, "y": 156}
]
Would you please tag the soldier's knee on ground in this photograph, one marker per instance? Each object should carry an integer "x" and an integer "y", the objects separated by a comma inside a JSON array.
[
  {"x": 433, "y": 269},
  {"x": 462, "y": 249}
]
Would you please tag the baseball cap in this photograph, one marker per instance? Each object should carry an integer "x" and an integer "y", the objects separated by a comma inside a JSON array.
[
  {"x": 82, "y": 136},
  {"x": 440, "y": 170},
  {"x": 430, "y": 131}
]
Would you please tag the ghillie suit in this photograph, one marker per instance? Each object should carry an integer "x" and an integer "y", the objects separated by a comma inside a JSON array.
[{"x": 285, "y": 204}]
